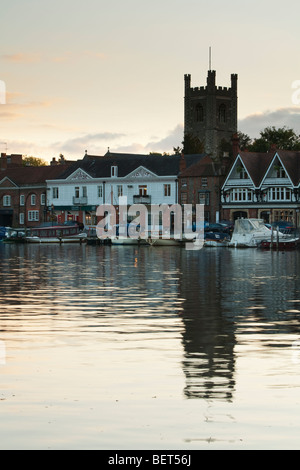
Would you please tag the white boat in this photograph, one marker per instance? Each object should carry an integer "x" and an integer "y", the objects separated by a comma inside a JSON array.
[
  {"x": 249, "y": 233},
  {"x": 119, "y": 240},
  {"x": 56, "y": 234},
  {"x": 216, "y": 239}
]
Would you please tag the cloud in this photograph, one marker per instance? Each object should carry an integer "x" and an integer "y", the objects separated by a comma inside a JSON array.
[
  {"x": 90, "y": 142},
  {"x": 166, "y": 144},
  {"x": 14, "y": 110},
  {"x": 21, "y": 58},
  {"x": 255, "y": 123},
  {"x": 97, "y": 144}
]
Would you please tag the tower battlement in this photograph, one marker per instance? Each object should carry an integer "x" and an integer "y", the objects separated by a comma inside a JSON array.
[{"x": 210, "y": 112}]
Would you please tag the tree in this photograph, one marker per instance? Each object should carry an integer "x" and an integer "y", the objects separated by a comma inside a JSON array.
[
  {"x": 177, "y": 150},
  {"x": 33, "y": 161},
  {"x": 192, "y": 144},
  {"x": 281, "y": 138},
  {"x": 244, "y": 141}
]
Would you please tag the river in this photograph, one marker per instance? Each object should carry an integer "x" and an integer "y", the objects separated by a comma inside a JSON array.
[{"x": 123, "y": 347}]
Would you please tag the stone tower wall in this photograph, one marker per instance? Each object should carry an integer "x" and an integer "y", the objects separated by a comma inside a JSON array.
[{"x": 210, "y": 112}]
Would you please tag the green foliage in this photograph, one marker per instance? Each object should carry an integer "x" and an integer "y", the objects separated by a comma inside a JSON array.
[
  {"x": 33, "y": 161},
  {"x": 282, "y": 138},
  {"x": 192, "y": 144}
]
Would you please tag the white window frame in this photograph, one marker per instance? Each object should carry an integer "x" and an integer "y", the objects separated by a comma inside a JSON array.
[
  {"x": 114, "y": 171},
  {"x": 120, "y": 190},
  {"x": 55, "y": 192},
  {"x": 241, "y": 195},
  {"x": 167, "y": 190},
  {"x": 6, "y": 201},
  {"x": 33, "y": 216},
  {"x": 22, "y": 200},
  {"x": 278, "y": 193}
]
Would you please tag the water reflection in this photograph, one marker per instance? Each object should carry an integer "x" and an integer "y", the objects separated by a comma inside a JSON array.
[{"x": 154, "y": 299}]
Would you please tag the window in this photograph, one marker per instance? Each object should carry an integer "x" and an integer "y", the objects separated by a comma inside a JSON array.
[
  {"x": 280, "y": 172},
  {"x": 243, "y": 174},
  {"x": 33, "y": 199},
  {"x": 222, "y": 113},
  {"x": 6, "y": 201},
  {"x": 114, "y": 171},
  {"x": 199, "y": 113},
  {"x": 183, "y": 183},
  {"x": 100, "y": 191},
  {"x": 183, "y": 198},
  {"x": 77, "y": 192},
  {"x": 43, "y": 199},
  {"x": 143, "y": 190},
  {"x": 33, "y": 216},
  {"x": 279, "y": 194},
  {"x": 120, "y": 190},
  {"x": 241, "y": 195},
  {"x": 204, "y": 198},
  {"x": 84, "y": 191},
  {"x": 167, "y": 190},
  {"x": 203, "y": 182},
  {"x": 55, "y": 193},
  {"x": 22, "y": 200},
  {"x": 21, "y": 219}
]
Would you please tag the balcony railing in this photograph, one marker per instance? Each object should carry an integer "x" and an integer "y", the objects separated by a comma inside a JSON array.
[
  {"x": 80, "y": 201},
  {"x": 139, "y": 199}
]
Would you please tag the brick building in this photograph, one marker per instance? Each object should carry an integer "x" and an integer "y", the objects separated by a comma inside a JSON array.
[
  {"x": 200, "y": 184},
  {"x": 23, "y": 192}
]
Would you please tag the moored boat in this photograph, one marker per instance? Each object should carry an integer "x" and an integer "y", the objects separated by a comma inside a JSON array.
[
  {"x": 165, "y": 242},
  {"x": 216, "y": 239},
  {"x": 56, "y": 234},
  {"x": 119, "y": 240},
  {"x": 288, "y": 244},
  {"x": 249, "y": 233}
]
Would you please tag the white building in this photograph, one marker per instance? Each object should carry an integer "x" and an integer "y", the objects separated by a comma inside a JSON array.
[
  {"x": 263, "y": 185},
  {"x": 142, "y": 179}
]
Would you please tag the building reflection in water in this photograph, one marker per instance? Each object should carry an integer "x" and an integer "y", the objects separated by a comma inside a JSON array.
[
  {"x": 234, "y": 297},
  {"x": 146, "y": 296},
  {"x": 208, "y": 337}
]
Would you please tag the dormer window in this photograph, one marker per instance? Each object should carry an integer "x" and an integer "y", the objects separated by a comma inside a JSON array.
[
  {"x": 114, "y": 172},
  {"x": 280, "y": 172},
  {"x": 242, "y": 172}
]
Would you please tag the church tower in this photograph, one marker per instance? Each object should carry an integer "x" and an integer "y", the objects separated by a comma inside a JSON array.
[{"x": 210, "y": 113}]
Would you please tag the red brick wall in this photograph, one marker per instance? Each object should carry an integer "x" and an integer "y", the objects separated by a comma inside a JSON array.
[{"x": 17, "y": 208}]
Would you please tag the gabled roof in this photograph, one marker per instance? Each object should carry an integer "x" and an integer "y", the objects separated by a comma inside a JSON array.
[
  {"x": 291, "y": 161},
  {"x": 256, "y": 164},
  {"x": 33, "y": 175},
  {"x": 100, "y": 167},
  {"x": 205, "y": 166}
]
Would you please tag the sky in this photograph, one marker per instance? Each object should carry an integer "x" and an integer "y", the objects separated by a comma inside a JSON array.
[{"x": 101, "y": 74}]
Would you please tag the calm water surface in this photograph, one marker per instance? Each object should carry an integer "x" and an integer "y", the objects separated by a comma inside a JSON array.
[{"x": 149, "y": 348}]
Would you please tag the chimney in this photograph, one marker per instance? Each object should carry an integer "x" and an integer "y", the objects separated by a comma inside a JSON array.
[
  {"x": 3, "y": 162},
  {"x": 235, "y": 145},
  {"x": 182, "y": 163}
]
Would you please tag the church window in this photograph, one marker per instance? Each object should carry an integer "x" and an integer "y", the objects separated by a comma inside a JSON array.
[
  {"x": 199, "y": 113},
  {"x": 222, "y": 113}
]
